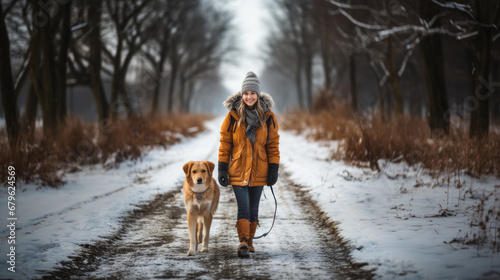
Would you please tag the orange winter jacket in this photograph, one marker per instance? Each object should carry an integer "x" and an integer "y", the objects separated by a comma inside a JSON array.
[{"x": 248, "y": 163}]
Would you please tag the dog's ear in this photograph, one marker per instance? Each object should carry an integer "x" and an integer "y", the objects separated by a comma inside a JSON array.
[
  {"x": 187, "y": 168},
  {"x": 210, "y": 165}
]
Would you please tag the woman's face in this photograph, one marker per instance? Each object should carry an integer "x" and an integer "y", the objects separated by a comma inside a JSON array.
[{"x": 250, "y": 98}]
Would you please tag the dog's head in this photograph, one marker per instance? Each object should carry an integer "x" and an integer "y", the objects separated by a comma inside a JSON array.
[{"x": 199, "y": 172}]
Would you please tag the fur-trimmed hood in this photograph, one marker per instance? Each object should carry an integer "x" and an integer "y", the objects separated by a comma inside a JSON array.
[{"x": 231, "y": 101}]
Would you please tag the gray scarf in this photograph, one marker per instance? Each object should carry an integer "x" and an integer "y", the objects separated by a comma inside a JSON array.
[{"x": 252, "y": 120}]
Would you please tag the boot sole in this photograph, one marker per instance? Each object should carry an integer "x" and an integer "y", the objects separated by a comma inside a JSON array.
[{"x": 243, "y": 251}]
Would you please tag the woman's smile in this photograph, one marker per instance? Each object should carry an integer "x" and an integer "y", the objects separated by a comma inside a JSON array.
[{"x": 250, "y": 97}]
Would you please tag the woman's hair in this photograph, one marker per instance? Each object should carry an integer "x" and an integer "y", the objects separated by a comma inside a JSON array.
[{"x": 259, "y": 109}]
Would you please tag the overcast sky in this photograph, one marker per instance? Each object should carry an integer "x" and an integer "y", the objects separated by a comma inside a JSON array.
[{"x": 251, "y": 18}]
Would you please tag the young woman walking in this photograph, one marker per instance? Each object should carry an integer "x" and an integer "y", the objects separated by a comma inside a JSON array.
[{"x": 248, "y": 154}]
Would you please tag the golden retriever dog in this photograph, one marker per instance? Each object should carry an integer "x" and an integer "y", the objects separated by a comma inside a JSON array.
[{"x": 201, "y": 196}]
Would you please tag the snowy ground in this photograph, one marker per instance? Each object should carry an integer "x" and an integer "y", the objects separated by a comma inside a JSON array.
[{"x": 401, "y": 231}]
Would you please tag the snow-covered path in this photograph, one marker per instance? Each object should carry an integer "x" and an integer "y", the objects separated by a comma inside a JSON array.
[{"x": 156, "y": 246}]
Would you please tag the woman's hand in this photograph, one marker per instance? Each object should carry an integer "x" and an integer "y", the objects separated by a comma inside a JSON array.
[
  {"x": 272, "y": 176},
  {"x": 223, "y": 179}
]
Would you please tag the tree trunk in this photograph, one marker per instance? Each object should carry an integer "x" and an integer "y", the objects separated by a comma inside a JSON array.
[
  {"x": 127, "y": 100},
  {"x": 479, "y": 101},
  {"x": 95, "y": 60},
  {"x": 182, "y": 86},
  {"x": 189, "y": 95},
  {"x": 436, "y": 83},
  {"x": 156, "y": 94},
  {"x": 9, "y": 102},
  {"x": 298, "y": 82},
  {"x": 34, "y": 58},
  {"x": 432, "y": 53},
  {"x": 325, "y": 50},
  {"x": 308, "y": 74},
  {"x": 171, "y": 87},
  {"x": 354, "y": 93},
  {"x": 381, "y": 93},
  {"x": 394, "y": 78},
  {"x": 124, "y": 95},
  {"x": 496, "y": 101},
  {"x": 381, "y": 100},
  {"x": 157, "y": 85},
  {"x": 61, "y": 62},
  {"x": 29, "y": 118},
  {"x": 327, "y": 68},
  {"x": 115, "y": 81},
  {"x": 42, "y": 68},
  {"x": 49, "y": 99},
  {"x": 160, "y": 66}
]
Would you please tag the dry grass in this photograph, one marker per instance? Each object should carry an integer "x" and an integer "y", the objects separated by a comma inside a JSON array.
[
  {"x": 367, "y": 139},
  {"x": 79, "y": 143}
]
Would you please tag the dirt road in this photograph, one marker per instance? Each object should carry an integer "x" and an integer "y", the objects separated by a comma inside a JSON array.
[{"x": 153, "y": 242}]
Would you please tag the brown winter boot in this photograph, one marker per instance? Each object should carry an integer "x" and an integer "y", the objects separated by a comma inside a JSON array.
[
  {"x": 243, "y": 227},
  {"x": 253, "y": 228}
]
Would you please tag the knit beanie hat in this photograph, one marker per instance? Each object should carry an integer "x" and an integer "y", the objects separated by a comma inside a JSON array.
[{"x": 251, "y": 82}]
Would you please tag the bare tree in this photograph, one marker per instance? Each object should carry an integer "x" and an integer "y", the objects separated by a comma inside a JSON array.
[
  {"x": 132, "y": 24},
  {"x": 391, "y": 62},
  {"x": 296, "y": 27},
  {"x": 188, "y": 41},
  {"x": 157, "y": 50},
  {"x": 432, "y": 54},
  {"x": 185, "y": 32},
  {"x": 323, "y": 22},
  {"x": 206, "y": 48},
  {"x": 364, "y": 37},
  {"x": 48, "y": 56},
  {"x": 95, "y": 59},
  {"x": 7, "y": 83},
  {"x": 487, "y": 13},
  {"x": 281, "y": 56},
  {"x": 18, "y": 23},
  {"x": 401, "y": 26}
]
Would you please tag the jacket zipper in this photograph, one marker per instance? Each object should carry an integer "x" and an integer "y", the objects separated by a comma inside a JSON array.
[{"x": 251, "y": 157}]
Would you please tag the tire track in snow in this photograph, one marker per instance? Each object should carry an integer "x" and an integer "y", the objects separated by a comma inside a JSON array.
[{"x": 38, "y": 220}]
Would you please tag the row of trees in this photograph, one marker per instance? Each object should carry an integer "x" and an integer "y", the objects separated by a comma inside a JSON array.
[
  {"x": 47, "y": 46},
  {"x": 391, "y": 36}
]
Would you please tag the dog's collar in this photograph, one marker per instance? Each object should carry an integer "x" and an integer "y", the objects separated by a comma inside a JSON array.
[{"x": 199, "y": 195}]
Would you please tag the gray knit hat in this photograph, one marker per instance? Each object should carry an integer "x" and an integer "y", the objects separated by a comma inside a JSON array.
[{"x": 251, "y": 82}]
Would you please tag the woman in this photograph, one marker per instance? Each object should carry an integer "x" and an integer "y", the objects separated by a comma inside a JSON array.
[{"x": 249, "y": 154}]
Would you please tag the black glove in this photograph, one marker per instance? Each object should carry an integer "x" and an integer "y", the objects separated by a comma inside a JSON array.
[
  {"x": 223, "y": 179},
  {"x": 272, "y": 176}
]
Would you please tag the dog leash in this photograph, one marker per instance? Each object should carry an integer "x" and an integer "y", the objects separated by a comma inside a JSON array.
[{"x": 274, "y": 219}]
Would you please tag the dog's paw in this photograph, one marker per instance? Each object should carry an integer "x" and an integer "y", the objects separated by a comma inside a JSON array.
[
  {"x": 191, "y": 253},
  {"x": 204, "y": 249}
]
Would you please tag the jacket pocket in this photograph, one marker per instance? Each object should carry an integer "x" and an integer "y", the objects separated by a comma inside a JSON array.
[
  {"x": 236, "y": 165},
  {"x": 262, "y": 165}
]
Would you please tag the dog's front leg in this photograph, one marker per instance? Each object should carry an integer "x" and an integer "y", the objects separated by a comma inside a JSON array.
[
  {"x": 192, "y": 226},
  {"x": 208, "y": 222}
]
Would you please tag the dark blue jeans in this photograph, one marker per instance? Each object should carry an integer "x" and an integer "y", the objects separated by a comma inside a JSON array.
[{"x": 248, "y": 199}]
